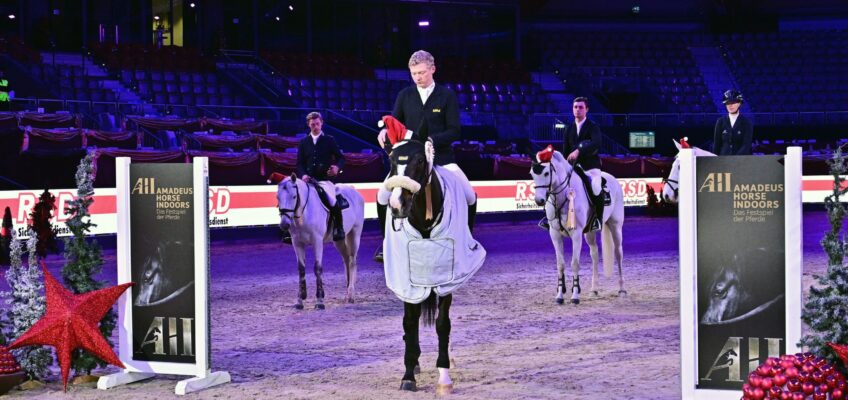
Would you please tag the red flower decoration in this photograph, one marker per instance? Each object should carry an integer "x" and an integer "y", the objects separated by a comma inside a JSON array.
[{"x": 72, "y": 321}]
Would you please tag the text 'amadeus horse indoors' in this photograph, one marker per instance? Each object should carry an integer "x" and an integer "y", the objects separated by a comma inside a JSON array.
[
  {"x": 428, "y": 250},
  {"x": 567, "y": 207},
  {"x": 308, "y": 220}
]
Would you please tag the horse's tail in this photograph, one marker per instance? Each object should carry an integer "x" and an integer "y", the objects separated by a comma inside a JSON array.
[
  {"x": 607, "y": 247},
  {"x": 428, "y": 309}
]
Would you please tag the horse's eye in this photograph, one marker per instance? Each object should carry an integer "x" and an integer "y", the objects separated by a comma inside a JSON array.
[{"x": 546, "y": 173}]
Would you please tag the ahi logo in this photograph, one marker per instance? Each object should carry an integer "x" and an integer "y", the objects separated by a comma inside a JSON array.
[
  {"x": 716, "y": 182},
  {"x": 145, "y": 186},
  {"x": 165, "y": 338},
  {"x": 732, "y": 358}
]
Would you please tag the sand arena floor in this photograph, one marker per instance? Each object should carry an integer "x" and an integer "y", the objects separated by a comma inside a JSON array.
[{"x": 509, "y": 339}]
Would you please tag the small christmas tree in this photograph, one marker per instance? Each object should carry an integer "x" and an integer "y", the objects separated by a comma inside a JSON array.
[
  {"x": 40, "y": 223},
  {"x": 6, "y": 236},
  {"x": 826, "y": 309},
  {"x": 27, "y": 302},
  {"x": 84, "y": 259}
]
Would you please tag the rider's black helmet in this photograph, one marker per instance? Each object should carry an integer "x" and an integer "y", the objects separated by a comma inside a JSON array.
[{"x": 732, "y": 96}]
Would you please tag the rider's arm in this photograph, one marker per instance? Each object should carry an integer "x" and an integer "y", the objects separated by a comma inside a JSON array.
[
  {"x": 592, "y": 145},
  {"x": 338, "y": 157},
  {"x": 300, "y": 167},
  {"x": 452, "y": 128}
]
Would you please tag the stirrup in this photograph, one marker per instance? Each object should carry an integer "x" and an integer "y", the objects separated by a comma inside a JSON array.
[
  {"x": 544, "y": 224},
  {"x": 287, "y": 239},
  {"x": 595, "y": 225}
]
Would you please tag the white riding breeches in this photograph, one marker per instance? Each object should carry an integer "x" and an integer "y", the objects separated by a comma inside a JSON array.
[{"x": 595, "y": 178}]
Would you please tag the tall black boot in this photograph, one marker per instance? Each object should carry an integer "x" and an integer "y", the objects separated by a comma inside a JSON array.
[
  {"x": 381, "y": 215},
  {"x": 597, "y": 213},
  {"x": 472, "y": 215},
  {"x": 338, "y": 224}
]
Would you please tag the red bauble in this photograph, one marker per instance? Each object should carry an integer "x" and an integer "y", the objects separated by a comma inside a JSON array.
[
  {"x": 780, "y": 379},
  {"x": 808, "y": 367},
  {"x": 819, "y": 395},
  {"x": 817, "y": 377},
  {"x": 837, "y": 394},
  {"x": 755, "y": 381},
  {"x": 71, "y": 322},
  {"x": 794, "y": 384},
  {"x": 818, "y": 361},
  {"x": 831, "y": 381},
  {"x": 791, "y": 372},
  {"x": 804, "y": 376},
  {"x": 767, "y": 383},
  {"x": 798, "y": 396},
  {"x": 774, "y": 392},
  {"x": 763, "y": 370},
  {"x": 771, "y": 361},
  {"x": 808, "y": 387},
  {"x": 758, "y": 394},
  {"x": 785, "y": 395},
  {"x": 822, "y": 387}
]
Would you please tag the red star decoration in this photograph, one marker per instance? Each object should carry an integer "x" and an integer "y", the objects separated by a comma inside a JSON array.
[
  {"x": 841, "y": 351},
  {"x": 72, "y": 321}
]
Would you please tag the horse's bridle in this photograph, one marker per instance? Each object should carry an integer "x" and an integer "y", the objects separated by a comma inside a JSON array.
[
  {"x": 293, "y": 211},
  {"x": 674, "y": 188},
  {"x": 428, "y": 179},
  {"x": 550, "y": 196}
]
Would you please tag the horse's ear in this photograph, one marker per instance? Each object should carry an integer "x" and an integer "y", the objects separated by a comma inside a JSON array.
[
  {"x": 676, "y": 144},
  {"x": 293, "y": 176},
  {"x": 558, "y": 156}
]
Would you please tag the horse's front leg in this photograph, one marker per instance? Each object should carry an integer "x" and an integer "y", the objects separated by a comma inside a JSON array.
[
  {"x": 318, "y": 247},
  {"x": 576, "y": 247},
  {"x": 556, "y": 239},
  {"x": 300, "y": 252},
  {"x": 592, "y": 241}
]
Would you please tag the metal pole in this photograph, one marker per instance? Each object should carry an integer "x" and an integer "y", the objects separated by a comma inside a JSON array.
[{"x": 171, "y": 20}]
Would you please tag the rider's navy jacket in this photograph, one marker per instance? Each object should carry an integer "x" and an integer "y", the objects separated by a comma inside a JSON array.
[
  {"x": 588, "y": 141},
  {"x": 314, "y": 159}
]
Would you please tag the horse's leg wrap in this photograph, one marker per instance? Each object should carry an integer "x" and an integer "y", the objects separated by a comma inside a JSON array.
[
  {"x": 319, "y": 281},
  {"x": 561, "y": 284},
  {"x": 301, "y": 271},
  {"x": 412, "y": 350},
  {"x": 575, "y": 284},
  {"x": 443, "y": 328}
]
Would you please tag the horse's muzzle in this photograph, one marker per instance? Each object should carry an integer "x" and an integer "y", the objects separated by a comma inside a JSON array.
[{"x": 540, "y": 202}]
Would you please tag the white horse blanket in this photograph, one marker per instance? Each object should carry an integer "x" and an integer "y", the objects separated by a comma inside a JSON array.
[{"x": 414, "y": 266}]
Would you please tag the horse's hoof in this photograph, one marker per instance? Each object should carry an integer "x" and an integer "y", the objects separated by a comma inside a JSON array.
[
  {"x": 298, "y": 306},
  {"x": 319, "y": 306},
  {"x": 575, "y": 301},
  {"x": 622, "y": 293},
  {"x": 560, "y": 301},
  {"x": 443, "y": 389},
  {"x": 408, "y": 386}
]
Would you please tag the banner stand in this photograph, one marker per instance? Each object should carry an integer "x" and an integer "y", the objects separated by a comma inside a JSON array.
[
  {"x": 193, "y": 330},
  {"x": 723, "y": 183}
]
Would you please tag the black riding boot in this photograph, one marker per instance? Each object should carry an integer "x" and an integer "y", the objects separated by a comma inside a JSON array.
[
  {"x": 338, "y": 225},
  {"x": 597, "y": 213},
  {"x": 381, "y": 215},
  {"x": 285, "y": 236}
]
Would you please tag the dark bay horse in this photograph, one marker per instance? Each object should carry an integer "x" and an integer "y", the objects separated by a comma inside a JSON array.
[{"x": 426, "y": 204}]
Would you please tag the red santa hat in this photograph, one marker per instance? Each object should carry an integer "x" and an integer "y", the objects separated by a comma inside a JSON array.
[
  {"x": 397, "y": 131},
  {"x": 545, "y": 155},
  {"x": 684, "y": 144},
  {"x": 276, "y": 178}
]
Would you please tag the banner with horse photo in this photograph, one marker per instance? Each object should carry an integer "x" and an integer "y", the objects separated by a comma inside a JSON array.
[
  {"x": 162, "y": 251},
  {"x": 743, "y": 306}
]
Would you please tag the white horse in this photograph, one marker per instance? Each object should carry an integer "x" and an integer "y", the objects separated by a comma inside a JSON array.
[
  {"x": 671, "y": 185},
  {"x": 306, "y": 217},
  {"x": 567, "y": 208}
]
